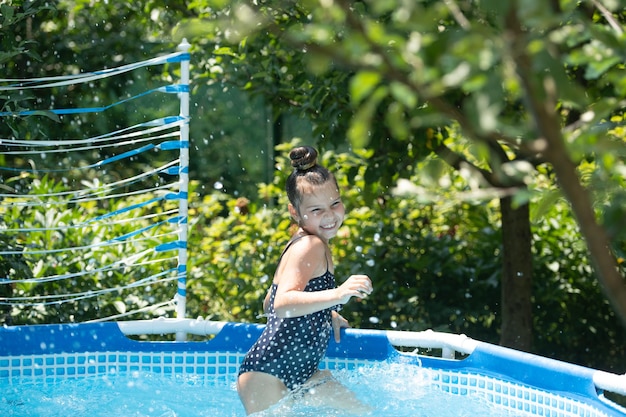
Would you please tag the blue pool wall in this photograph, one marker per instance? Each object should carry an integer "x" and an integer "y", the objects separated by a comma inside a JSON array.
[{"x": 561, "y": 378}]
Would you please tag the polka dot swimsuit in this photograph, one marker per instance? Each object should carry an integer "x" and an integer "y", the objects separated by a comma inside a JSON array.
[{"x": 292, "y": 348}]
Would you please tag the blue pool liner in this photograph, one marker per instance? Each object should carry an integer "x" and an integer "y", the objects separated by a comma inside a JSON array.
[{"x": 562, "y": 378}]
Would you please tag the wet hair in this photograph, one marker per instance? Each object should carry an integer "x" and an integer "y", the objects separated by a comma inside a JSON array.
[{"x": 306, "y": 171}]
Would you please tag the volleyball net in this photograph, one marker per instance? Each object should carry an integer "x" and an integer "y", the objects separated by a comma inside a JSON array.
[{"x": 93, "y": 196}]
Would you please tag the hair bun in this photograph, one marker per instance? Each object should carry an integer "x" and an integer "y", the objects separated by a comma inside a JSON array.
[{"x": 303, "y": 158}]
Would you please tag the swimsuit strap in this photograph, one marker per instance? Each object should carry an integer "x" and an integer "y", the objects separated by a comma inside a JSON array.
[{"x": 292, "y": 241}]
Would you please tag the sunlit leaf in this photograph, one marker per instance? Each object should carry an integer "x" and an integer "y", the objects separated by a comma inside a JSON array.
[
  {"x": 403, "y": 94},
  {"x": 120, "y": 306},
  {"x": 596, "y": 69},
  {"x": 359, "y": 132},
  {"x": 396, "y": 121},
  {"x": 362, "y": 84}
]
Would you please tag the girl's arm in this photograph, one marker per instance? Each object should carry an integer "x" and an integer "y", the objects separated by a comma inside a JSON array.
[
  {"x": 338, "y": 323},
  {"x": 304, "y": 260},
  {"x": 266, "y": 303}
]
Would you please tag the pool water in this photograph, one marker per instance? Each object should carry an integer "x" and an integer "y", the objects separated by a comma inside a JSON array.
[{"x": 391, "y": 390}]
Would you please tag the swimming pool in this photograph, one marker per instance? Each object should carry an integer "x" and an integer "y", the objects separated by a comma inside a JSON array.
[{"x": 515, "y": 382}]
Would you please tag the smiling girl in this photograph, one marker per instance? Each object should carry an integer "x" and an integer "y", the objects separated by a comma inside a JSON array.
[{"x": 302, "y": 302}]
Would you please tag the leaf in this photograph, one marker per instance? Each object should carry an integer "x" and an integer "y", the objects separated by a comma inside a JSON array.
[
  {"x": 46, "y": 113},
  {"x": 120, "y": 306},
  {"x": 596, "y": 69},
  {"x": 382, "y": 7},
  {"x": 396, "y": 121},
  {"x": 218, "y": 4},
  {"x": 544, "y": 204},
  {"x": 359, "y": 132},
  {"x": 362, "y": 84},
  {"x": 404, "y": 94},
  {"x": 318, "y": 64},
  {"x": 7, "y": 13},
  {"x": 224, "y": 50},
  {"x": 496, "y": 9},
  {"x": 483, "y": 111}
]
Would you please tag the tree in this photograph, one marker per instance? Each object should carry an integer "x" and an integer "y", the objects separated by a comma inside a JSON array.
[
  {"x": 529, "y": 84},
  {"x": 400, "y": 79}
]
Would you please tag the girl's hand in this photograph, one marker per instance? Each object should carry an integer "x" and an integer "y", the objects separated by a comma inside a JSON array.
[
  {"x": 359, "y": 286},
  {"x": 339, "y": 323}
]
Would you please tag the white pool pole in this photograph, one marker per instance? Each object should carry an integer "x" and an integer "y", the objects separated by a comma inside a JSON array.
[{"x": 181, "y": 294}]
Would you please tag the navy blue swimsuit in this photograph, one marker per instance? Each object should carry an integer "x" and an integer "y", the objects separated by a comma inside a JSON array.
[{"x": 292, "y": 348}]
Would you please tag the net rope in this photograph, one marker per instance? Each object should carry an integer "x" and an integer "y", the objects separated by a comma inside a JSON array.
[{"x": 98, "y": 216}]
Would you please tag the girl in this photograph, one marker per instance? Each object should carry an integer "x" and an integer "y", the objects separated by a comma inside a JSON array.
[{"x": 302, "y": 302}]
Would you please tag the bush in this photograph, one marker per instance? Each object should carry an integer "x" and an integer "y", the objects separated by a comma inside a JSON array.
[
  {"x": 573, "y": 320},
  {"x": 434, "y": 264},
  {"x": 72, "y": 257}
]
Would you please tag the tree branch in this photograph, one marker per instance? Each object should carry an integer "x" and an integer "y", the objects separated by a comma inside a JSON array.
[
  {"x": 608, "y": 17},
  {"x": 548, "y": 125},
  {"x": 435, "y": 100}
]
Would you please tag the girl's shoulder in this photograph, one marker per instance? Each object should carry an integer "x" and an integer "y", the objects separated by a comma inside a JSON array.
[
  {"x": 308, "y": 243},
  {"x": 304, "y": 258},
  {"x": 307, "y": 250}
]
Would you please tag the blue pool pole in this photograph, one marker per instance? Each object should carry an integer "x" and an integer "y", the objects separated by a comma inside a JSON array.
[{"x": 181, "y": 294}]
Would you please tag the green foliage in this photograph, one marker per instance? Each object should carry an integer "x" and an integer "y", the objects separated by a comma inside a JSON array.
[
  {"x": 511, "y": 77},
  {"x": 13, "y": 17},
  {"x": 435, "y": 263},
  {"x": 571, "y": 314},
  {"x": 426, "y": 273},
  {"x": 400, "y": 68},
  {"x": 63, "y": 257},
  {"x": 383, "y": 80},
  {"x": 233, "y": 257}
]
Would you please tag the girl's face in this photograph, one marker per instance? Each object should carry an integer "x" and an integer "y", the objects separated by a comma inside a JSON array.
[{"x": 321, "y": 210}]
